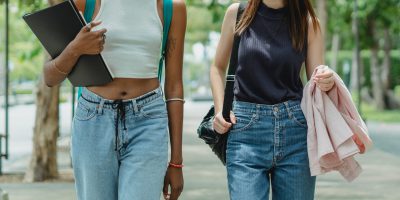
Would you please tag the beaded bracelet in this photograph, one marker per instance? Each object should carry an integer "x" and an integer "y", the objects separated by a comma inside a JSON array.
[{"x": 175, "y": 165}]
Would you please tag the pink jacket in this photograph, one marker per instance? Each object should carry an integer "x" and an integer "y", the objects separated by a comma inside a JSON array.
[{"x": 336, "y": 131}]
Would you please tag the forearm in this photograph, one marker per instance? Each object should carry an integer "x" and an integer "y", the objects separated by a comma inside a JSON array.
[
  {"x": 175, "y": 122},
  {"x": 57, "y": 69},
  {"x": 217, "y": 77}
]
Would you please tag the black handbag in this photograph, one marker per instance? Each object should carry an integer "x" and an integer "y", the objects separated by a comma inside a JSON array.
[{"x": 205, "y": 131}]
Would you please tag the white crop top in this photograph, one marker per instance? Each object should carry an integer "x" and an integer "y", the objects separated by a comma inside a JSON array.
[{"x": 133, "y": 39}]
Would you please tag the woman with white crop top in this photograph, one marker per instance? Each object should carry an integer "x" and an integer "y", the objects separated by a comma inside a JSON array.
[{"x": 121, "y": 130}]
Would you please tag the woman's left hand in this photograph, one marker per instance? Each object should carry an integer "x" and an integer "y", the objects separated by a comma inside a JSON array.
[
  {"x": 324, "y": 79},
  {"x": 174, "y": 180}
]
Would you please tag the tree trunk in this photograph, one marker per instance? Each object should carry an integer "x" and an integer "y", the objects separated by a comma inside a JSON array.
[
  {"x": 2, "y": 76},
  {"x": 43, "y": 164},
  {"x": 335, "y": 50},
  {"x": 355, "y": 65},
  {"x": 377, "y": 89},
  {"x": 390, "y": 100},
  {"x": 386, "y": 60},
  {"x": 354, "y": 72}
]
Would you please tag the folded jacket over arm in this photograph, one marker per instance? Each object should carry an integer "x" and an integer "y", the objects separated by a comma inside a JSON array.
[{"x": 336, "y": 131}]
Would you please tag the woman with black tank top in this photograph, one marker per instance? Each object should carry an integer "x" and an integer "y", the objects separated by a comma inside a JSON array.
[{"x": 267, "y": 144}]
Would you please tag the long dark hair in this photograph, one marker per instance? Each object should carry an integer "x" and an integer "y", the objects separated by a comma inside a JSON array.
[{"x": 300, "y": 11}]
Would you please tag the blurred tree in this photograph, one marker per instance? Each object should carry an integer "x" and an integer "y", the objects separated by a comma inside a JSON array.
[
  {"x": 204, "y": 17},
  {"x": 379, "y": 27},
  {"x": 43, "y": 164}
]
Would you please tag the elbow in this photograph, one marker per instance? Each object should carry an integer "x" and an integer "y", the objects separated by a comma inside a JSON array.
[
  {"x": 48, "y": 82},
  {"x": 213, "y": 70},
  {"x": 47, "y": 77},
  {"x": 217, "y": 70}
]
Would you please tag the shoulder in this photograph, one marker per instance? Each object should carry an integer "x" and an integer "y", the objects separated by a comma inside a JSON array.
[
  {"x": 232, "y": 10},
  {"x": 179, "y": 12},
  {"x": 179, "y": 6},
  {"x": 314, "y": 28},
  {"x": 80, "y": 4},
  {"x": 231, "y": 14}
]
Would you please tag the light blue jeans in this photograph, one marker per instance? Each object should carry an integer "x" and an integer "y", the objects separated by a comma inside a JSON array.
[
  {"x": 268, "y": 148},
  {"x": 120, "y": 148}
]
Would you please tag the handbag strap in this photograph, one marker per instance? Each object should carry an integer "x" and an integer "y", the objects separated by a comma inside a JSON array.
[
  {"x": 233, "y": 63},
  {"x": 167, "y": 14}
]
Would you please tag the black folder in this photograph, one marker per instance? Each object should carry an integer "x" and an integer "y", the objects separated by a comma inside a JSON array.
[{"x": 56, "y": 27}]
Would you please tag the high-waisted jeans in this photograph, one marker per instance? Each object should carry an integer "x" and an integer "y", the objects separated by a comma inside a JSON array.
[
  {"x": 120, "y": 148},
  {"x": 268, "y": 148}
]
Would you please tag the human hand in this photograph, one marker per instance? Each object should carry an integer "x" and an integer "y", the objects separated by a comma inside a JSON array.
[
  {"x": 89, "y": 42},
  {"x": 220, "y": 125},
  {"x": 173, "y": 179},
  {"x": 324, "y": 79}
]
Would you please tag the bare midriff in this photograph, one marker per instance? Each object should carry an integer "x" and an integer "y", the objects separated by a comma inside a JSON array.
[{"x": 125, "y": 88}]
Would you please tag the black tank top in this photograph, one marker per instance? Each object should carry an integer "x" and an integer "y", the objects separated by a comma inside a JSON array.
[{"x": 268, "y": 69}]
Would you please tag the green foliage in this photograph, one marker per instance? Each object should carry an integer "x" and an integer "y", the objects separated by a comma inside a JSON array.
[
  {"x": 347, "y": 56},
  {"x": 373, "y": 15},
  {"x": 204, "y": 17},
  {"x": 26, "y": 53},
  {"x": 28, "y": 4}
]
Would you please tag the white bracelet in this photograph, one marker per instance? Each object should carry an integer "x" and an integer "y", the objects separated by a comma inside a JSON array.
[
  {"x": 175, "y": 99},
  {"x": 55, "y": 66}
]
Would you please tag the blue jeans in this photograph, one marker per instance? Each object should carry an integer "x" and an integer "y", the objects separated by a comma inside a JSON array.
[
  {"x": 120, "y": 148},
  {"x": 268, "y": 148}
]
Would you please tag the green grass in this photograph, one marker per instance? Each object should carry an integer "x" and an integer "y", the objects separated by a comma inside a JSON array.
[
  {"x": 370, "y": 113},
  {"x": 23, "y": 91},
  {"x": 388, "y": 116}
]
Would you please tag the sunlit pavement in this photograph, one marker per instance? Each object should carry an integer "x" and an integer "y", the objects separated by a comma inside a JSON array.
[{"x": 205, "y": 177}]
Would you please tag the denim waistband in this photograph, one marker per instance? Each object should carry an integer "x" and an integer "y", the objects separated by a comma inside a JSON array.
[
  {"x": 120, "y": 106},
  {"x": 264, "y": 109},
  {"x": 136, "y": 103}
]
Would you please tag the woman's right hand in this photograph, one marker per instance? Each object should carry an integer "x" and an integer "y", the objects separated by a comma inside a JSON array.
[
  {"x": 220, "y": 125},
  {"x": 89, "y": 42}
]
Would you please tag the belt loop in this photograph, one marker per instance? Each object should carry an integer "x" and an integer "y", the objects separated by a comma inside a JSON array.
[
  {"x": 100, "y": 107},
  {"x": 288, "y": 109},
  {"x": 135, "y": 106}
]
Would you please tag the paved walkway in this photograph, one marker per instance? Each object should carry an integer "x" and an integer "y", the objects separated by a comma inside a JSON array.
[{"x": 205, "y": 176}]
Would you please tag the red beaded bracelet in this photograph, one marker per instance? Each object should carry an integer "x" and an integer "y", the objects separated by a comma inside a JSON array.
[{"x": 176, "y": 165}]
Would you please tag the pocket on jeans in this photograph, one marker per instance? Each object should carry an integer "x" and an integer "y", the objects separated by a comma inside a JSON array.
[
  {"x": 155, "y": 109},
  {"x": 243, "y": 121},
  {"x": 84, "y": 112},
  {"x": 299, "y": 118}
]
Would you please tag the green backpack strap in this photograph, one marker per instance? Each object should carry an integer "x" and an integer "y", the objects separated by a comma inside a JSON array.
[
  {"x": 89, "y": 10},
  {"x": 88, "y": 15},
  {"x": 168, "y": 11}
]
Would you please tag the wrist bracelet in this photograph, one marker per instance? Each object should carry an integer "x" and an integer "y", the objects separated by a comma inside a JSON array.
[
  {"x": 55, "y": 66},
  {"x": 175, "y": 99},
  {"x": 175, "y": 165}
]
